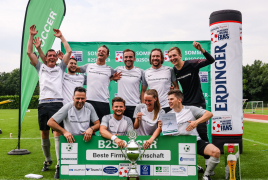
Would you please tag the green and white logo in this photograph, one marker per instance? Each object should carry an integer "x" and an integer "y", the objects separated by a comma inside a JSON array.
[
  {"x": 158, "y": 169},
  {"x": 69, "y": 147},
  {"x": 186, "y": 148}
]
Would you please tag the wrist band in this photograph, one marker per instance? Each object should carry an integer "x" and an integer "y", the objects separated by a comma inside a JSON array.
[
  {"x": 113, "y": 137},
  {"x": 92, "y": 129}
]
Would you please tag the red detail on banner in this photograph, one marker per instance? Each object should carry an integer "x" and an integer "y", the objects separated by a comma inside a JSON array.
[
  {"x": 230, "y": 148},
  {"x": 125, "y": 171},
  {"x": 165, "y": 58},
  {"x": 228, "y": 21},
  {"x": 226, "y": 134},
  {"x": 121, "y": 57},
  {"x": 116, "y": 58}
]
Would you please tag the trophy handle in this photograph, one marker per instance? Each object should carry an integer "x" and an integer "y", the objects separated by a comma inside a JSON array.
[
  {"x": 142, "y": 153},
  {"x": 123, "y": 153}
]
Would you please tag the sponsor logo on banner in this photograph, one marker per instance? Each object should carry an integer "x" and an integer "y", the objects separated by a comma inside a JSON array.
[
  {"x": 187, "y": 148},
  {"x": 78, "y": 55},
  {"x": 77, "y": 170},
  {"x": 179, "y": 170},
  {"x": 203, "y": 76},
  {"x": 93, "y": 169},
  {"x": 162, "y": 170},
  {"x": 222, "y": 124},
  {"x": 71, "y": 148},
  {"x": 68, "y": 158},
  {"x": 110, "y": 170},
  {"x": 166, "y": 56},
  {"x": 111, "y": 155},
  {"x": 219, "y": 33},
  {"x": 185, "y": 159},
  {"x": 145, "y": 170},
  {"x": 118, "y": 56},
  {"x": 123, "y": 169}
]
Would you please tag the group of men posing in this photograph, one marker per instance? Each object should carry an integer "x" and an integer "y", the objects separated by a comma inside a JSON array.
[{"x": 69, "y": 109}]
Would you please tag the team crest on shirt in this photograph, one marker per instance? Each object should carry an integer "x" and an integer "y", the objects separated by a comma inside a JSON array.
[{"x": 118, "y": 56}]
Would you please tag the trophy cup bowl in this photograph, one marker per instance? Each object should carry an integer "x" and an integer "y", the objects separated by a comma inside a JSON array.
[{"x": 133, "y": 153}]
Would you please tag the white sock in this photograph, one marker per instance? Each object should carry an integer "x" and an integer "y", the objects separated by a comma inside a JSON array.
[
  {"x": 206, "y": 162},
  {"x": 45, "y": 143},
  {"x": 57, "y": 148},
  {"x": 212, "y": 163}
]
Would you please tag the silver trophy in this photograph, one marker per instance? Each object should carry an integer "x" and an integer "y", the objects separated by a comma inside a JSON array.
[{"x": 132, "y": 153}]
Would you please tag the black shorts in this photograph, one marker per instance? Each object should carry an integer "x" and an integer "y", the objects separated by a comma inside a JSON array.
[
  {"x": 45, "y": 112},
  {"x": 201, "y": 145},
  {"x": 166, "y": 109},
  {"x": 101, "y": 109},
  {"x": 129, "y": 112}
]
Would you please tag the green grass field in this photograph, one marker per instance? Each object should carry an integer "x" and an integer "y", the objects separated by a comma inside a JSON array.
[
  {"x": 253, "y": 159},
  {"x": 258, "y": 111}
]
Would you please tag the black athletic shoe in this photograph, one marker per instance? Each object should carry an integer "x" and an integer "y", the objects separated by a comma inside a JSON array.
[
  {"x": 46, "y": 165},
  {"x": 206, "y": 177},
  {"x": 200, "y": 169},
  {"x": 57, "y": 173}
]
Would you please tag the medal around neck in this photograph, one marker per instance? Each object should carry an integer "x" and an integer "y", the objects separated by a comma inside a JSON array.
[{"x": 133, "y": 153}]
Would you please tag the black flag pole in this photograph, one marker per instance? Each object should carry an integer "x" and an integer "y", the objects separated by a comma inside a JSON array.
[{"x": 20, "y": 151}]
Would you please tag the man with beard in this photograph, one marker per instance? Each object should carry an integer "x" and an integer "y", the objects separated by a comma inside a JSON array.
[
  {"x": 50, "y": 82},
  {"x": 187, "y": 73},
  {"x": 159, "y": 77},
  {"x": 98, "y": 80},
  {"x": 129, "y": 83},
  {"x": 116, "y": 124}
]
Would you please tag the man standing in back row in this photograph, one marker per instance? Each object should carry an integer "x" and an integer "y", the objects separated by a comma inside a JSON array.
[
  {"x": 98, "y": 80},
  {"x": 129, "y": 83},
  {"x": 159, "y": 77},
  {"x": 187, "y": 73}
]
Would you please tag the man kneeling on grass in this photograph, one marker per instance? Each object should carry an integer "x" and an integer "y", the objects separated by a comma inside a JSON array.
[{"x": 188, "y": 117}]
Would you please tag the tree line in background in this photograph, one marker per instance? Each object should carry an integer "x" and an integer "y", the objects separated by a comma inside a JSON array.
[{"x": 255, "y": 82}]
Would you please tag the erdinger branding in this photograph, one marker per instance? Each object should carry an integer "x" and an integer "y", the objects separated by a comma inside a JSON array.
[
  {"x": 203, "y": 76},
  {"x": 166, "y": 56},
  {"x": 118, "y": 56},
  {"x": 222, "y": 124},
  {"x": 219, "y": 33}
]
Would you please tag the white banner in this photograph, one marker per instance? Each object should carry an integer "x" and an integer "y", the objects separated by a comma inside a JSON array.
[{"x": 226, "y": 78}]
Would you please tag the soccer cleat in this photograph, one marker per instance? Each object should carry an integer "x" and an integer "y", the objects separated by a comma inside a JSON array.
[
  {"x": 206, "y": 177},
  {"x": 46, "y": 165},
  {"x": 57, "y": 173},
  {"x": 200, "y": 169}
]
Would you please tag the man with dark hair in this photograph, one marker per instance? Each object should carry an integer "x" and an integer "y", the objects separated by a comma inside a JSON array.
[
  {"x": 76, "y": 116},
  {"x": 129, "y": 83},
  {"x": 50, "y": 81},
  {"x": 98, "y": 80},
  {"x": 159, "y": 77},
  {"x": 116, "y": 124},
  {"x": 187, "y": 73},
  {"x": 188, "y": 118}
]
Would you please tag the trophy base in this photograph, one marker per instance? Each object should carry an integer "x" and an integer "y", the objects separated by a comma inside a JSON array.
[{"x": 133, "y": 178}]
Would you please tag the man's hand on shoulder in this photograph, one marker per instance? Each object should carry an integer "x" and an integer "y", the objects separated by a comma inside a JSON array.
[
  {"x": 116, "y": 76},
  {"x": 87, "y": 134},
  {"x": 69, "y": 137},
  {"x": 120, "y": 142}
]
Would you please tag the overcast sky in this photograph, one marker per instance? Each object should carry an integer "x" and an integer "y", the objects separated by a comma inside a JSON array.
[{"x": 137, "y": 20}]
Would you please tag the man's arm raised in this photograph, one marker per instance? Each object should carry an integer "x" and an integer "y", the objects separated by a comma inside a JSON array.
[
  {"x": 66, "y": 57},
  {"x": 106, "y": 134},
  {"x": 37, "y": 43},
  {"x": 55, "y": 126},
  {"x": 31, "y": 55}
]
